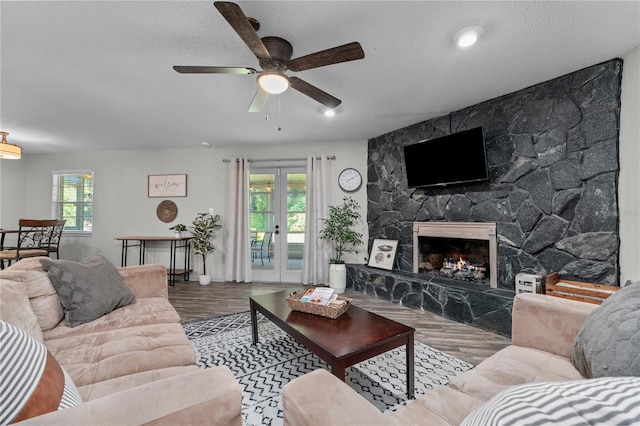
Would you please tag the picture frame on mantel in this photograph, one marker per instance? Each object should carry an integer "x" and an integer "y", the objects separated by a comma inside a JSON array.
[
  {"x": 167, "y": 186},
  {"x": 383, "y": 253}
]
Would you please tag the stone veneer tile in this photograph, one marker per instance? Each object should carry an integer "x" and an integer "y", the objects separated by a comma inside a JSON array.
[
  {"x": 552, "y": 151},
  {"x": 464, "y": 302}
]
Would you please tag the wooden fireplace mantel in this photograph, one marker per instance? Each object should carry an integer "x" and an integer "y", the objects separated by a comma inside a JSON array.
[{"x": 468, "y": 230}]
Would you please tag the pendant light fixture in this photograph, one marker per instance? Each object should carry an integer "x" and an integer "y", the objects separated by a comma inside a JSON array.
[
  {"x": 273, "y": 82},
  {"x": 8, "y": 151}
]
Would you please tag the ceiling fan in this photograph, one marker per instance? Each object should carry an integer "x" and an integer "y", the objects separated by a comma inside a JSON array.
[{"x": 274, "y": 56}]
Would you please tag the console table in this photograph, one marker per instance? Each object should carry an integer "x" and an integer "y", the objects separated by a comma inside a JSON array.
[{"x": 174, "y": 245}]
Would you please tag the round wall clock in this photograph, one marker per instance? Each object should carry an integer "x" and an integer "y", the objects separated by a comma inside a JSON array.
[{"x": 350, "y": 180}]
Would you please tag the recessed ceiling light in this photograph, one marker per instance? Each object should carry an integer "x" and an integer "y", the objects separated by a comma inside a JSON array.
[
  {"x": 329, "y": 112},
  {"x": 467, "y": 36}
]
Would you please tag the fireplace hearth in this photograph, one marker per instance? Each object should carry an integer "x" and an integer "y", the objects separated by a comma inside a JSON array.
[
  {"x": 462, "y": 301},
  {"x": 460, "y": 250}
]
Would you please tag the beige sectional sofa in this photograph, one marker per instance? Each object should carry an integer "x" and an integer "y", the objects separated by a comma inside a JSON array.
[
  {"x": 134, "y": 365},
  {"x": 544, "y": 330}
]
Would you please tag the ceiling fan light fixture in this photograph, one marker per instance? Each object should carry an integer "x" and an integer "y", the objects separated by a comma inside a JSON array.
[
  {"x": 329, "y": 112},
  {"x": 273, "y": 82},
  {"x": 9, "y": 151},
  {"x": 467, "y": 36}
]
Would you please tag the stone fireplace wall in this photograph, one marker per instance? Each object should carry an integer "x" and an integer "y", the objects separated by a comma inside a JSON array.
[{"x": 553, "y": 161}]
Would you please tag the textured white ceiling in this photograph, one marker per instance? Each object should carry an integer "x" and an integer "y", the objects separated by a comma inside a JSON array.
[{"x": 92, "y": 75}]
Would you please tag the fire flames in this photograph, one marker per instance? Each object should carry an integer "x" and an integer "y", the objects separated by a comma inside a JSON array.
[
  {"x": 461, "y": 264},
  {"x": 462, "y": 268}
]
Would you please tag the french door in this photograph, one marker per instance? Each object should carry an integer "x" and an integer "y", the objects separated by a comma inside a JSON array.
[{"x": 277, "y": 203}]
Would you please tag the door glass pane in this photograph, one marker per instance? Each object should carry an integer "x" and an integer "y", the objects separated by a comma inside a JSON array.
[
  {"x": 262, "y": 220},
  {"x": 296, "y": 206}
]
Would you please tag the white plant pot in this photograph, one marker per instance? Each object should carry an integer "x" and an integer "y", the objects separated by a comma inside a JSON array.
[
  {"x": 338, "y": 277},
  {"x": 205, "y": 279},
  {"x": 178, "y": 234}
]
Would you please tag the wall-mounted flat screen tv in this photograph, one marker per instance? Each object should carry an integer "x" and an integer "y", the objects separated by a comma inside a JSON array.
[{"x": 457, "y": 158}]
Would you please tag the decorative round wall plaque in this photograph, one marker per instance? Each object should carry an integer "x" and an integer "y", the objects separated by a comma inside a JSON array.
[{"x": 167, "y": 211}]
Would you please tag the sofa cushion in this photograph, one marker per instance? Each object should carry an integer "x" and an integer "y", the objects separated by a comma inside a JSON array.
[
  {"x": 118, "y": 384},
  {"x": 609, "y": 400},
  {"x": 87, "y": 290},
  {"x": 440, "y": 406},
  {"x": 511, "y": 366},
  {"x": 15, "y": 308},
  {"x": 146, "y": 311},
  {"x": 43, "y": 298},
  {"x": 608, "y": 342},
  {"x": 103, "y": 355},
  {"x": 32, "y": 382}
]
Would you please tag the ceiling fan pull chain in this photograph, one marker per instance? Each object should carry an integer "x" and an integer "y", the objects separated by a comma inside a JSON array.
[{"x": 279, "y": 111}]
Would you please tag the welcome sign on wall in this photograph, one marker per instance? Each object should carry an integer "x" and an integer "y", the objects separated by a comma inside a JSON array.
[{"x": 167, "y": 186}]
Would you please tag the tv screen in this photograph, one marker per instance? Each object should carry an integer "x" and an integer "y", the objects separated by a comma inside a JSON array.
[{"x": 456, "y": 158}]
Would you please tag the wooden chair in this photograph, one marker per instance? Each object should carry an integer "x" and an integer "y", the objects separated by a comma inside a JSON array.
[
  {"x": 56, "y": 235},
  {"x": 33, "y": 240},
  {"x": 262, "y": 247}
]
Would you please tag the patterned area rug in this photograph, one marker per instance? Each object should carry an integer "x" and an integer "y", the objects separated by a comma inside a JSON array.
[{"x": 263, "y": 369}]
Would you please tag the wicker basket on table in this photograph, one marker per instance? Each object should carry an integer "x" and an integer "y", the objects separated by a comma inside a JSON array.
[{"x": 311, "y": 308}]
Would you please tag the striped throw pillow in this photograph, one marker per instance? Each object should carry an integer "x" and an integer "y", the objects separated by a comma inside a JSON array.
[
  {"x": 32, "y": 382},
  {"x": 604, "y": 401}
]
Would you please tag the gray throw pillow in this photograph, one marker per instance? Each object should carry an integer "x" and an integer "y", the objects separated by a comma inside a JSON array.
[
  {"x": 608, "y": 342},
  {"x": 88, "y": 290}
]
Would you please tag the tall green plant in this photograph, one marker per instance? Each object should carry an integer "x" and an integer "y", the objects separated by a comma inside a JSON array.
[
  {"x": 339, "y": 228},
  {"x": 204, "y": 226}
]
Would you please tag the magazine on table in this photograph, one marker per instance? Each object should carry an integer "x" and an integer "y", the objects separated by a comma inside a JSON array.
[{"x": 319, "y": 296}]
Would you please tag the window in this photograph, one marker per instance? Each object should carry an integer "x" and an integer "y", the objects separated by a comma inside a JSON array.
[
  {"x": 72, "y": 200},
  {"x": 261, "y": 201}
]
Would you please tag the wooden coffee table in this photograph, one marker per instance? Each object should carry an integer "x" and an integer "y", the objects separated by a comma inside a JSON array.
[{"x": 355, "y": 336}]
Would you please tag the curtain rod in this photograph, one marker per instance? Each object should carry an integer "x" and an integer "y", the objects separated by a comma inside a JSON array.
[{"x": 329, "y": 157}]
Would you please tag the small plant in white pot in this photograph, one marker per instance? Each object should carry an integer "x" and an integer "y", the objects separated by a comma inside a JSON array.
[
  {"x": 204, "y": 226},
  {"x": 178, "y": 229},
  {"x": 339, "y": 228}
]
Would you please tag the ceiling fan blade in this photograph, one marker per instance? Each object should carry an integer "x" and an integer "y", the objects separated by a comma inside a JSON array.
[
  {"x": 240, "y": 23},
  {"x": 188, "y": 69},
  {"x": 314, "y": 93},
  {"x": 335, "y": 55},
  {"x": 259, "y": 100}
]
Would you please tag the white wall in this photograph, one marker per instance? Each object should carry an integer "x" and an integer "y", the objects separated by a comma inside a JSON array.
[
  {"x": 629, "y": 184},
  {"x": 121, "y": 205},
  {"x": 12, "y": 191}
]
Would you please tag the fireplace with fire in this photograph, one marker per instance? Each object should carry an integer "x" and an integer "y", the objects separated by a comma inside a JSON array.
[
  {"x": 461, "y": 259},
  {"x": 459, "y": 250}
]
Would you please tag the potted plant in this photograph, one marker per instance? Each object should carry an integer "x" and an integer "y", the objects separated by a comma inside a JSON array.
[
  {"x": 178, "y": 229},
  {"x": 339, "y": 228},
  {"x": 204, "y": 225}
]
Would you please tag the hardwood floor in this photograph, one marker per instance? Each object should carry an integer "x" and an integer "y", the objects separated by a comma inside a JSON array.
[{"x": 471, "y": 344}]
